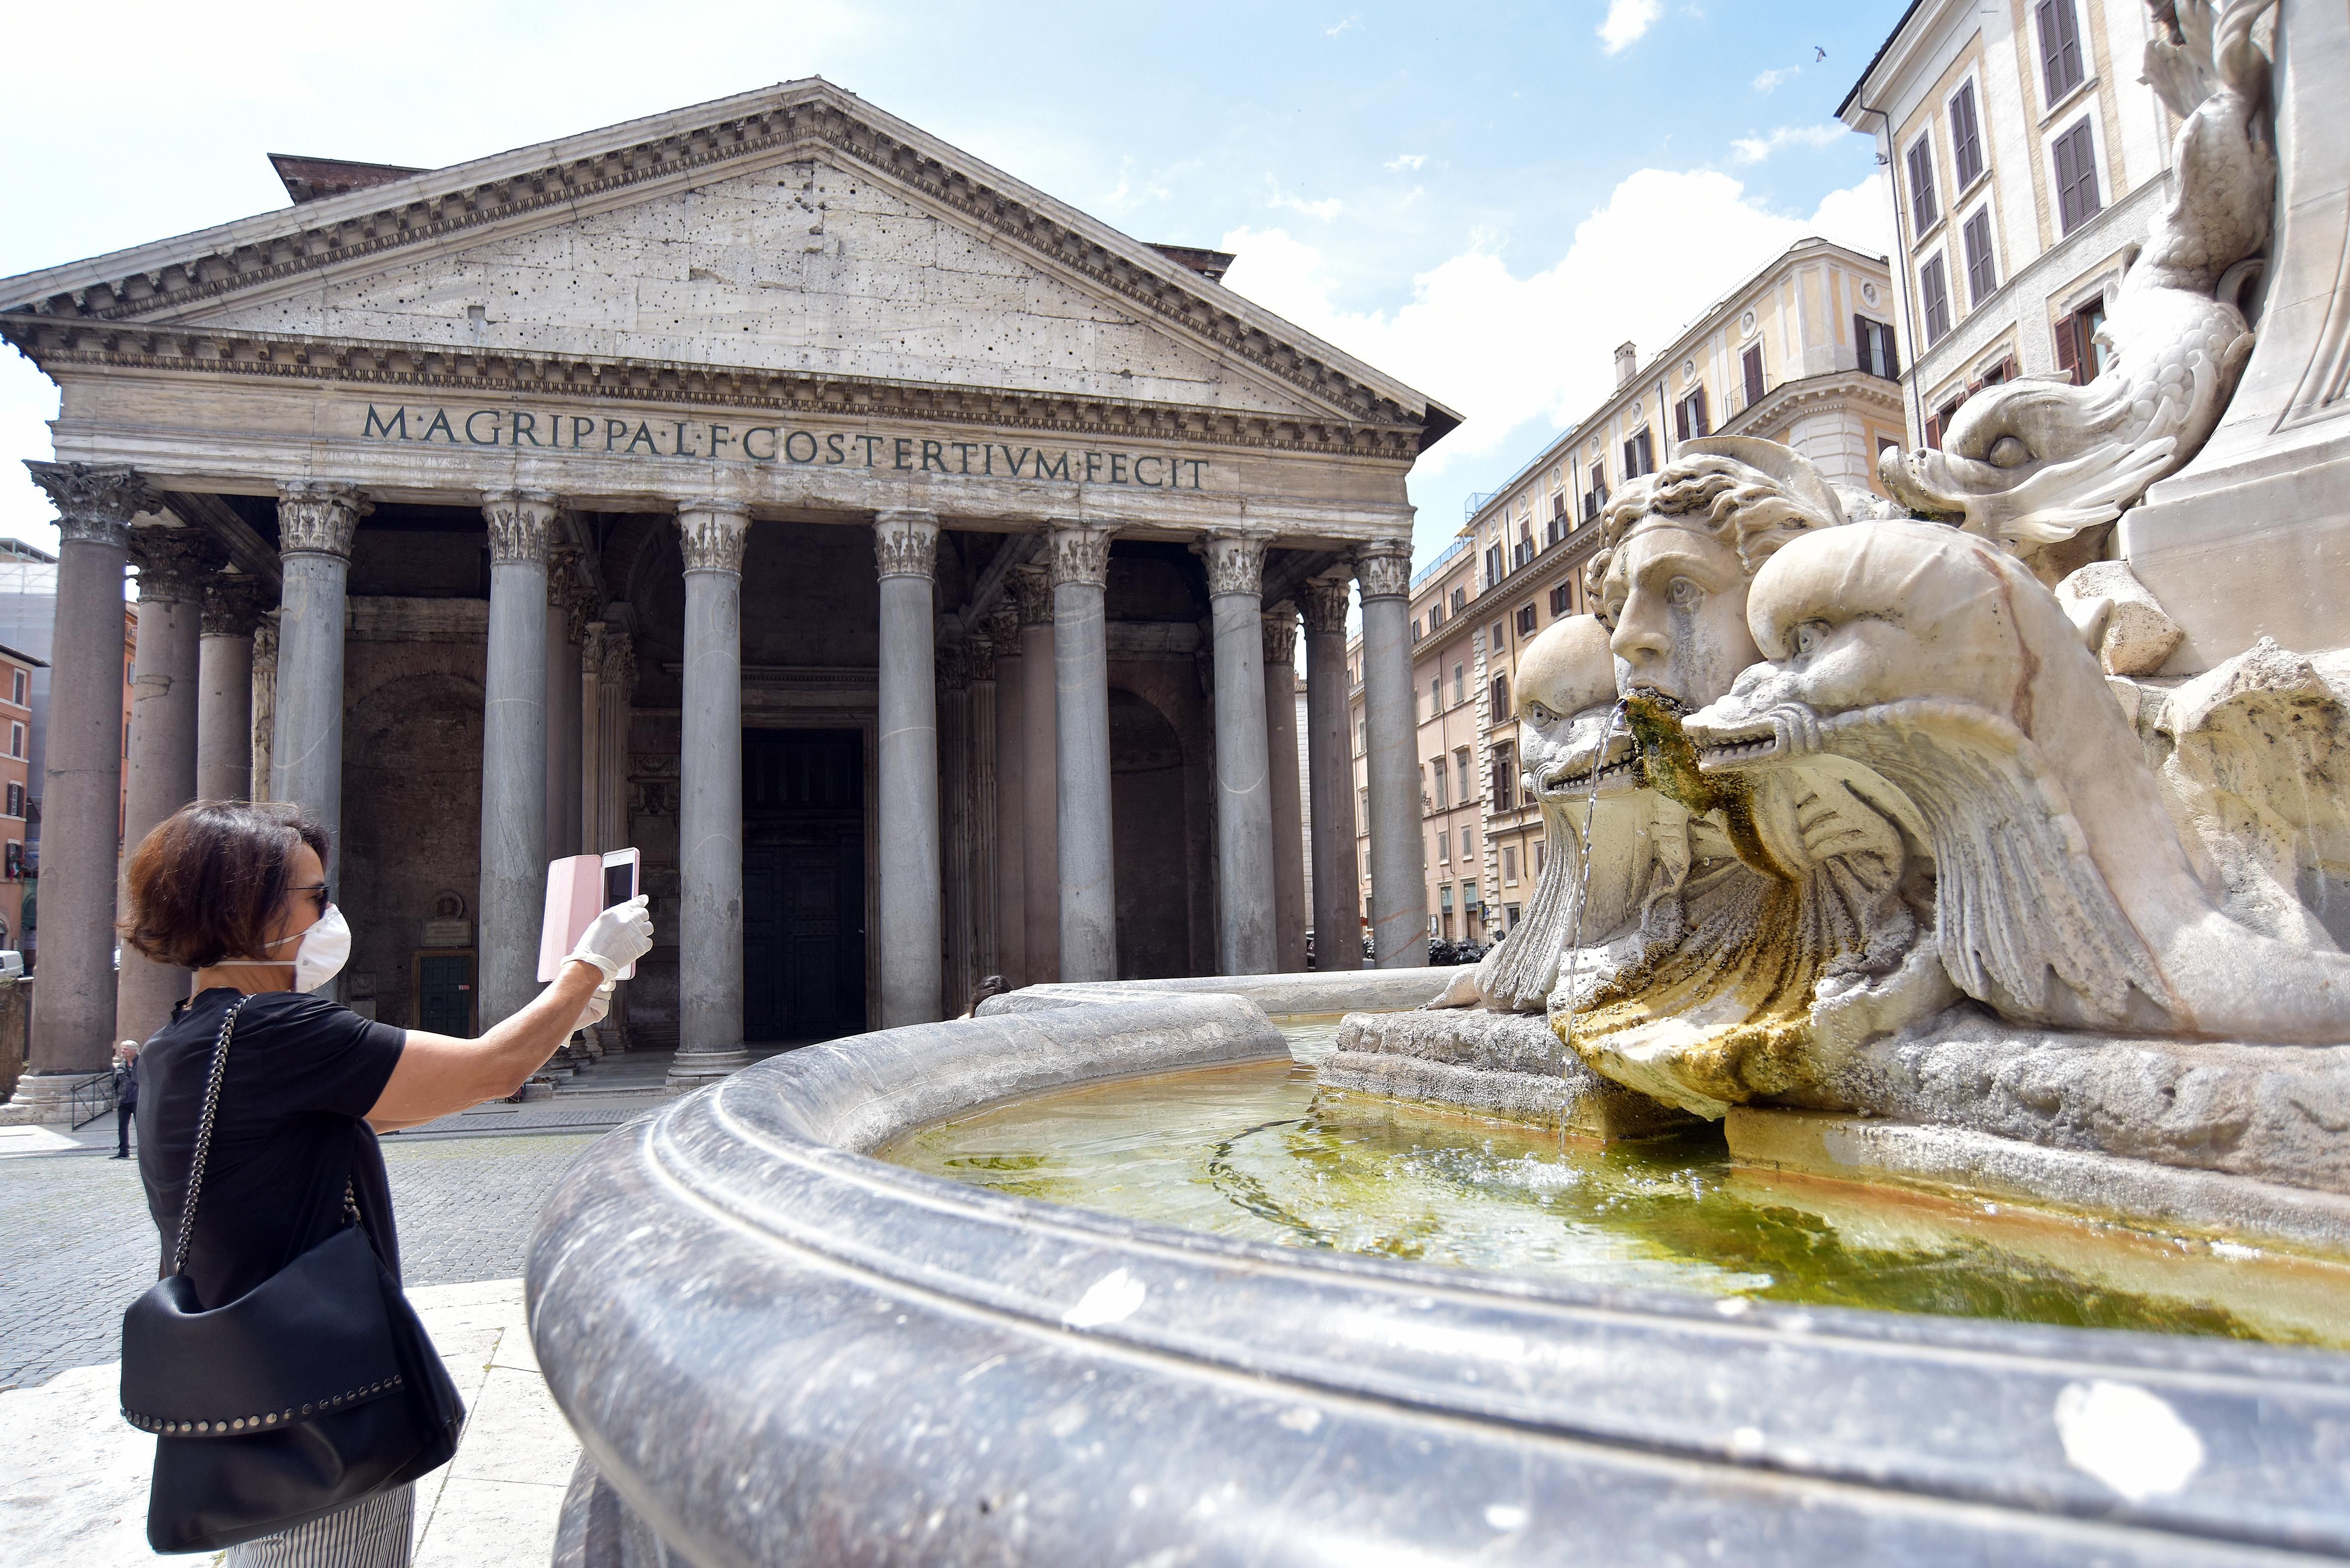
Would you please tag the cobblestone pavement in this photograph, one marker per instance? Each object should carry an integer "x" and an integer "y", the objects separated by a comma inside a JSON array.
[{"x": 76, "y": 1244}]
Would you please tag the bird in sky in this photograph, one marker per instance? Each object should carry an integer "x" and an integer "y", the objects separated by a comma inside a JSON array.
[{"x": 1818, "y": 54}]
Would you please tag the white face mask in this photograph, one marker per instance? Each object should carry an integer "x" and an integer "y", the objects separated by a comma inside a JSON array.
[{"x": 326, "y": 947}]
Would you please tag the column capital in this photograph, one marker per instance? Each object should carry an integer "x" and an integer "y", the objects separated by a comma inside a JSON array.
[
  {"x": 1384, "y": 569},
  {"x": 1235, "y": 558},
  {"x": 1032, "y": 591},
  {"x": 264, "y": 650},
  {"x": 318, "y": 516},
  {"x": 234, "y": 605},
  {"x": 521, "y": 524},
  {"x": 620, "y": 662},
  {"x": 1281, "y": 635},
  {"x": 172, "y": 563},
  {"x": 569, "y": 597},
  {"x": 95, "y": 502},
  {"x": 714, "y": 533},
  {"x": 1324, "y": 603},
  {"x": 954, "y": 665},
  {"x": 1003, "y": 630},
  {"x": 906, "y": 541},
  {"x": 1080, "y": 552},
  {"x": 980, "y": 651}
]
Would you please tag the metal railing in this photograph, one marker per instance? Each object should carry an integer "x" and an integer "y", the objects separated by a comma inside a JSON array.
[{"x": 91, "y": 1098}]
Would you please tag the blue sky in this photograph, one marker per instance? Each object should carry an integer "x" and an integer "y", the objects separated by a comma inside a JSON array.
[{"x": 1481, "y": 200}]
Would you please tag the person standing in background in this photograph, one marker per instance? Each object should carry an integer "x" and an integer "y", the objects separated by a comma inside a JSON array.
[{"x": 126, "y": 1094}]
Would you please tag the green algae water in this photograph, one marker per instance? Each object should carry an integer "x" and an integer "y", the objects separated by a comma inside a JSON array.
[{"x": 1258, "y": 1152}]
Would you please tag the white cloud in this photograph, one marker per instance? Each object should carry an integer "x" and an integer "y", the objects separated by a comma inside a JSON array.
[
  {"x": 1503, "y": 350},
  {"x": 1755, "y": 149},
  {"x": 1764, "y": 81},
  {"x": 1404, "y": 160},
  {"x": 1348, "y": 25},
  {"x": 1625, "y": 20},
  {"x": 1858, "y": 217},
  {"x": 1324, "y": 210}
]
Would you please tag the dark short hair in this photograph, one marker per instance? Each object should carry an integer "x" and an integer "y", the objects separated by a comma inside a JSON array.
[{"x": 208, "y": 882}]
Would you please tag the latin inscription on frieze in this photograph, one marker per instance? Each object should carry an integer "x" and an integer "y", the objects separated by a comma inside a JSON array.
[{"x": 800, "y": 446}]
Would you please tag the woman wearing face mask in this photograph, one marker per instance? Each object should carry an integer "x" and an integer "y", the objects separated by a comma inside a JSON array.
[{"x": 238, "y": 893}]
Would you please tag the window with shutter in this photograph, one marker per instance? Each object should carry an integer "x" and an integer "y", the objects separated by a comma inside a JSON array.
[
  {"x": 1934, "y": 432},
  {"x": 1459, "y": 600},
  {"x": 1493, "y": 566},
  {"x": 1873, "y": 342},
  {"x": 1934, "y": 294},
  {"x": 2060, "y": 47},
  {"x": 2076, "y": 178},
  {"x": 1923, "y": 208},
  {"x": 1689, "y": 417},
  {"x": 1982, "y": 274},
  {"x": 1966, "y": 136},
  {"x": 1559, "y": 600},
  {"x": 1526, "y": 620},
  {"x": 1751, "y": 363},
  {"x": 1640, "y": 455}
]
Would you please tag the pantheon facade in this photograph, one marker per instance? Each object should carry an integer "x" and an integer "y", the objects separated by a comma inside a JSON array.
[{"x": 895, "y": 554}]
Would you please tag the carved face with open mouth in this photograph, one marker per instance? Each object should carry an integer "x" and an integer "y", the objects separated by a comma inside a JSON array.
[{"x": 1567, "y": 725}]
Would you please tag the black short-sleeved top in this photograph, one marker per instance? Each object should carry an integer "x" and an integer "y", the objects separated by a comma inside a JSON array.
[{"x": 302, "y": 1075}]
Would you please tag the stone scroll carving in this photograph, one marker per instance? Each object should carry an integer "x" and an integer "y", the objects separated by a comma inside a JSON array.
[
  {"x": 906, "y": 543},
  {"x": 521, "y": 525},
  {"x": 714, "y": 534},
  {"x": 318, "y": 516},
  {"x": 1813, "y": 781},
  {"x": 173, "y": 564},
  {"x": 95, "y": 503},
  {"x": 2031, "y": 462},
  {"x": 1384, "y": 569},
  {"x": 1235, "y": 559},
  {"x": 1080, "y": 553}
]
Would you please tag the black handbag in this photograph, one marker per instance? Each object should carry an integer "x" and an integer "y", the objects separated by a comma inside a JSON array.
[{"x": 314, "y": 1389}]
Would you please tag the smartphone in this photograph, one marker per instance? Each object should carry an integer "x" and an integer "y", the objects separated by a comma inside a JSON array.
[{"x": 619, "y": 887}]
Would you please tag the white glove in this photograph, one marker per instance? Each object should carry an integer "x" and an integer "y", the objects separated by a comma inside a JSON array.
[
  {"x": 599, "y": 1002},
  {"x": 616, "y": 938}
]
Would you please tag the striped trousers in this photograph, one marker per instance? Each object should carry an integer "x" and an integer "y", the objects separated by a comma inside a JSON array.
[{"x": 370, "y": 1533}]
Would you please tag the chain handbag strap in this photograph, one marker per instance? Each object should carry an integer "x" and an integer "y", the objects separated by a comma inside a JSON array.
[{"x": 204, "y": 1133}]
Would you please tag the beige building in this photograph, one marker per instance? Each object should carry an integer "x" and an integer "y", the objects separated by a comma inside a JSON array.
[
  {"x": 2027, "y": 162},
  {"x": 1802, "y": 352}
]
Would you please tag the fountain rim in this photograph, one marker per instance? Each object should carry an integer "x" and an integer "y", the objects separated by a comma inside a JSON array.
[{"x": 775, "y": 1158}]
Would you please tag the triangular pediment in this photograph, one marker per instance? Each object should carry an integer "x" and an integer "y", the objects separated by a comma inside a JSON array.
[{"x": 792, "y": 230}]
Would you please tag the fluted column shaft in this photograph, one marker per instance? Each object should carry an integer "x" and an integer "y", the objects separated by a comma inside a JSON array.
[
  {"x": 1087, "y": 869},
  {"x": 710, "y": 795},
  {"x": 979, "y": 825},
  {"x": 614, "y": 683},
  {"x": 173, "y": 565},
  {"x": 232, "y": 612},
  {"x": 1011, "y": 801},
  {"x": 1244, "y": 932},
  {"x": 905, "y": 545},
  {"x": 1398, "y": 881},
  {"x": 1281, "y": 770},
  {"x": 1337, "y": 885},
  {"x": 316, "y": 521},
  {"x": 73, "y": 1008},
  {"x": 1040, "y": 773}
]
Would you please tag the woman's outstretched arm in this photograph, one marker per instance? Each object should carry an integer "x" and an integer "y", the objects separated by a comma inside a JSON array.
[{"x": 437, "y": 1075}]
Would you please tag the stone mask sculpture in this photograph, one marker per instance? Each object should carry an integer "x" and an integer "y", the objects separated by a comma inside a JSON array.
[
  {"x": 2064, "y": 895},
  {"x": 2032, "y": 463}
]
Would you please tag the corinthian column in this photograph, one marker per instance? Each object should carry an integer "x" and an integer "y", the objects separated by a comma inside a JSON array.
[
  {"x": 514, "y": 754},
  {"x": 905, "y": 546},
  {"x": 1081, "y": 722},
  {"x": 1040, "y": 770},
  {"x": 613, "y": 683},
  {"x": 232, "y": 607},
  {"x": 1281, "y": 770},
  {"x": 1245, "y": 939},
  {"x": 710, "y": 795},
  {"x": 1399, "y": 880},
  {"x": 316, "y": 520},
  {"x": 979, "y": 823},
  {"x": 1337, "y": 889},
  {"x": 73, "y": 1010},
  {"x": 173, "y": 565},
  {"x": 1010, "y": 800}
]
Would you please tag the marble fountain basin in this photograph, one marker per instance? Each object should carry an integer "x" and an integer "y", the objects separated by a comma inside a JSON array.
[{"x": 779, "y": 1348}]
